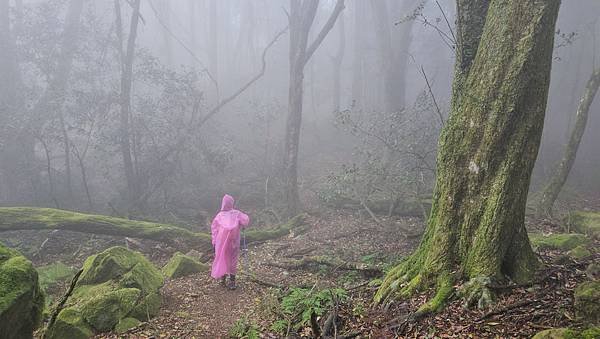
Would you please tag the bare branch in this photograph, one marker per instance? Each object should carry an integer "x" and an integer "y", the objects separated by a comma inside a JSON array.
[{"x": 339, "y": 7}]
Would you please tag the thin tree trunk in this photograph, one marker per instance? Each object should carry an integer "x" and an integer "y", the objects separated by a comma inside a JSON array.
[
  {"x": 358, "y": 55},
  {"x": 302, "y": 15},
  {"x": 67, "y": 154},
  {"x": 337, "y": 65},
  {"x": 125, "y": 100},
  {"x": 213, "y": 39},
  {"x": 561, "y": 173},
  {"x": 487, "y": 150}
]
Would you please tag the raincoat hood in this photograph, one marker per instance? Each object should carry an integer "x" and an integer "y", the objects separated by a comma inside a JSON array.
[{"x": 227, "y": 203}]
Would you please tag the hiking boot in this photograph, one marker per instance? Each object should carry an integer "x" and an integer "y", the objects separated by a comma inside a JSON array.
[
  {"x": 222, "y": 282},
  {"x": 232, "y": 285}
]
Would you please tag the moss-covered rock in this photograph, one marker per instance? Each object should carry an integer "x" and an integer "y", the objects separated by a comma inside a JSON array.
[
  {"x": 584, "y": 222},
  {"x": 587, "y": 302},
  {"x": 556, "y": 333},
  {"x": 579, "y": 252},
  {"x": 566, "y": 333},
  {"x": 21, "y": 299},
  {"x": 69, "y": 324},
  {"x": 561, "y": 241},
  {"x": 116, "y": 284},
  {"x": 126, "y": 324},
  {"x": 181, "y": 265}
]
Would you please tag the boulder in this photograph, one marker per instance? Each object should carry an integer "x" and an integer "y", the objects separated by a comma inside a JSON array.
[
  {"x": 566, "y": 333},
  {"x": 21, "y": 299},
  {"x": 115, "y": 285},
  {"x": 560, "y": 241},
  {"x": 587, "y": 302},
  {"x": 556, "y": 333},
  {"x": 181, "y": 265},
  {"x": 584, "y": 222}
]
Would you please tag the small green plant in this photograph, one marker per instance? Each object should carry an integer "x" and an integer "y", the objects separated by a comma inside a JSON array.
[
  {"x": 279, "y": 326},
  {"x": 359, "y": 310},
  {"x": 244, "y": 329},
  {"x": 301, "y": 303}
]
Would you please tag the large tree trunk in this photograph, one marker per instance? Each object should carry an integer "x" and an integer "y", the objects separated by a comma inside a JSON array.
[
  {"x": 302, "y": 15},
  {"x": 487, "y": 150},
  {"x": 30, "y": 218},
  {"x": 561, "y": 172},
  {"x": 127, "y": 59}
]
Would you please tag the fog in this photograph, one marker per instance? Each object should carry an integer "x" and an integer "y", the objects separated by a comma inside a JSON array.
[{"x": 376, "y": 92}]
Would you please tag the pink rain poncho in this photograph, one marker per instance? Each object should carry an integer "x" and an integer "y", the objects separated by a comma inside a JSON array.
[{"x": 225, "y": 231}]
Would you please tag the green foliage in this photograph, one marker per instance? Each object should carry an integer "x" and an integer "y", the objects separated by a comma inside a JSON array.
[
  {"x": 245, "y": 329},
  {"x": 279, "y": 326},
  {"x": 301, "y": 303}
]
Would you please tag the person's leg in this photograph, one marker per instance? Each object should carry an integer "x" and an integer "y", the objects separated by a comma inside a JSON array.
[
  {"x": 232, "y": 285},
  {"x": 223, "y": 282}
]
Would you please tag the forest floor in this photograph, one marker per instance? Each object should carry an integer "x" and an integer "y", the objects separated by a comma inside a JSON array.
[{"x": 198, "y": 307}]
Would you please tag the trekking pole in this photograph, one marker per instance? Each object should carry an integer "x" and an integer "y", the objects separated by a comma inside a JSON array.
[{"x": 244, "y": 250}]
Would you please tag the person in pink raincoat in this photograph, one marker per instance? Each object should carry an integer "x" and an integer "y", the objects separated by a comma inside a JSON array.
[{"x": 225, "y": 232}]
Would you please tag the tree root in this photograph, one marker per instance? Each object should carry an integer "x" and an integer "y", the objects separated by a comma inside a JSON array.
[{"x": 477, "y": 291}]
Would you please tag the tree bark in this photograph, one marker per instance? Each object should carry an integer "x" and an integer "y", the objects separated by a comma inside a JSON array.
[
  {"x": 487, "y": 150},
  {"x": 127, "y": 59},
  {"x": 561, "y": 173},
  {"x": 302, "y": 15},
  {"x": 31, "y": 218}
]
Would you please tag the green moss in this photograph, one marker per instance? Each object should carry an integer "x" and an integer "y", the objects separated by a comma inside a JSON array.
[
  {"x": 104, "y": 311},
  {"x": 114, "y": 285},
  {"x": 584, "y": 222},
  {"x": 148, "y": 307},
  {"x": 556, "y": 333},
  {"x": 21, "y": 300},
  {"x": 587, "y": 302},
  {"x": 133, "y": 269},
  {"x": 126, "y": 324},
  {"x": 591, "y": 333},
  {"x": 69, "y": 324},
  {"x": 181, "y": 265},
  {"x": 560, "y": 241},
  {"x": 579, "y": 252}
]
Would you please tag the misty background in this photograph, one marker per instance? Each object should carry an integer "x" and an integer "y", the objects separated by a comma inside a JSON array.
[{"x": 61, "y": 103}]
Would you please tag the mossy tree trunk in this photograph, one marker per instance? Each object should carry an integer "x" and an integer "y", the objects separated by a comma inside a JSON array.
[
  {"x": 33, "y": 218},
  {"x": 487, "y": 150},
  {"x": 561, "y": 172}
]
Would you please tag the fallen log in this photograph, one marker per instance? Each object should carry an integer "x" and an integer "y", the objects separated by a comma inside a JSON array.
[
  {"x": 336, "y": 264},
  {"x": 33, "y": 218}
]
